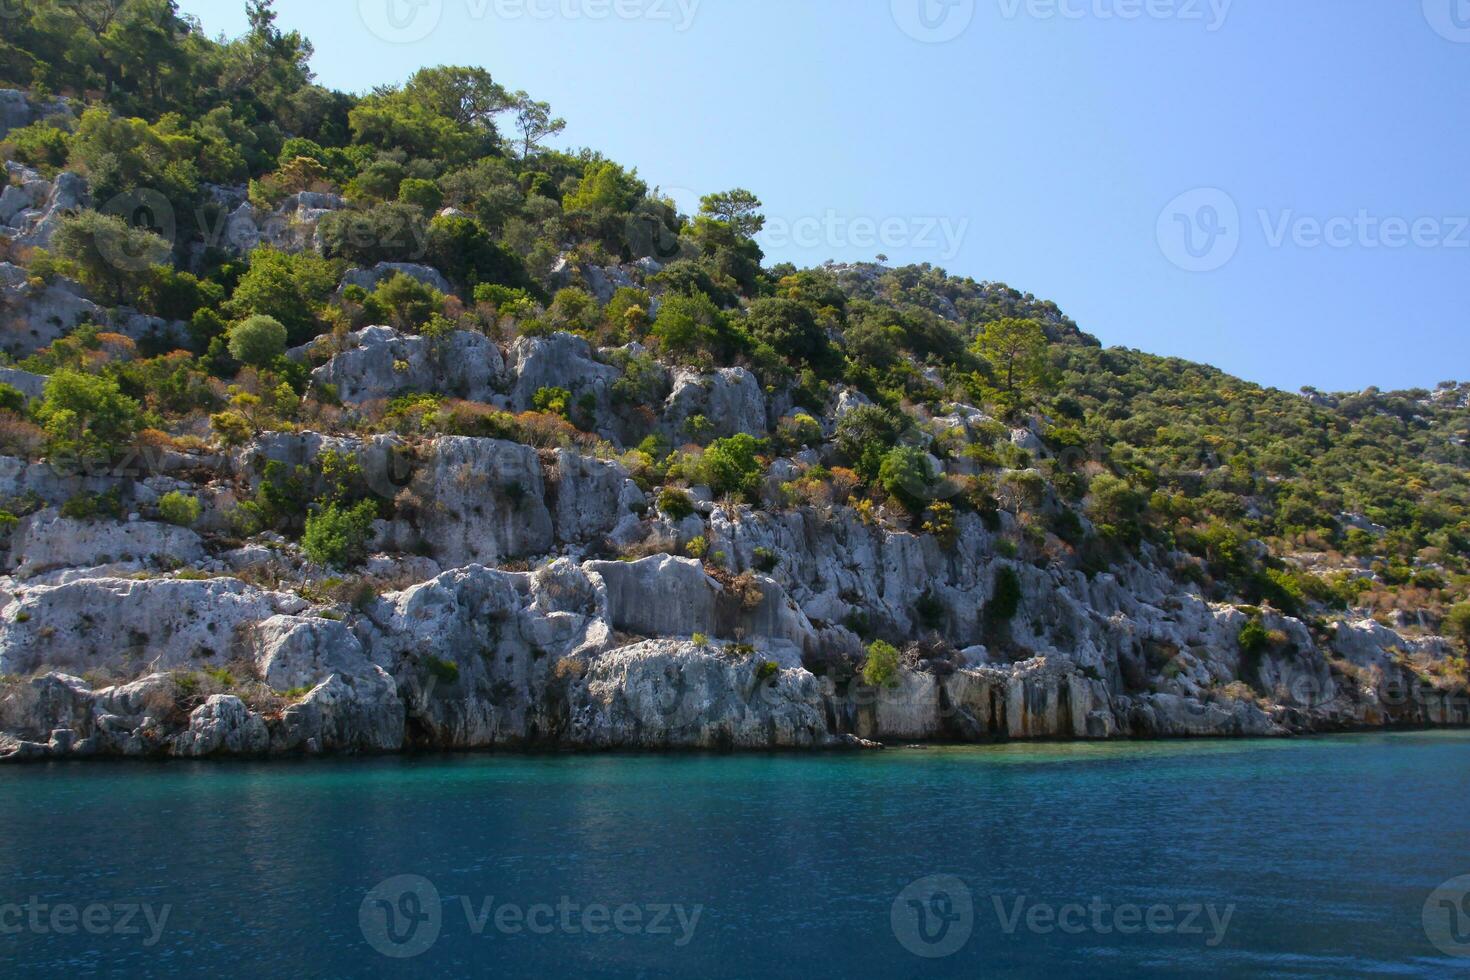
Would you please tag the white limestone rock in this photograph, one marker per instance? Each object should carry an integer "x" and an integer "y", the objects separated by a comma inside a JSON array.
[{"x": 382, "y": 363}]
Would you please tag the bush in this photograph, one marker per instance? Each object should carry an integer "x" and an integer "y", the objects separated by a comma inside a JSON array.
[
  {"x": 906, "y": 475},
  {"x": 1457, "y": 624},
  {"x": 86, "y": 416},
  {"x": 179, "y": 508},
  {"x": 731, "y": 466},
  {"x": 12, "y": 399},
  {"x": 865, "y": 435},
  {"x": 556, "y": 401},
  {"x": 257, "y": 340},
  {"x": 1254, "y": 638},
  {"x": 113, "y": 258},
  {"x": 338, "y": 536},
  {"x": 40, "y": 145},
  {"x": 421, "y": 194},
  {"x": 767, "y": 670},
  {"x": 881, "y": 667},
  {"x": 675, "y": 503}
]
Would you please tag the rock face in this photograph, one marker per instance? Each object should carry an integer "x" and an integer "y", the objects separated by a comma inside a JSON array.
[
  {"x": 46, "y": 541},
  {"x": 382, "y": 363},
  {"x": 559, "y": 361},
  {"x": 485, "y": 502},
  {"x": 730, "y": 400},
  {"x": 370, "y": 278}
]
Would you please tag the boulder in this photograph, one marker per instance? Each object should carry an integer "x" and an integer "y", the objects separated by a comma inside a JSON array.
[
  {"x": 381, "y": 363},
  {"x": 666, "y": 694},
  {"x": 46, "y": 541},
  {"x": 730, "y": 400},
  {"x": 559, "y": 361},
  {"x": 369, "y": 279}
]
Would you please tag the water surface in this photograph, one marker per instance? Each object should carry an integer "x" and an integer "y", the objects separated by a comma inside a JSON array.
[{"x": 1323, "y": 852}]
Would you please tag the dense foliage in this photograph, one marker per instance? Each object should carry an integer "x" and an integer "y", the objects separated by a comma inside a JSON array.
[{"x": 451, "y": 169}]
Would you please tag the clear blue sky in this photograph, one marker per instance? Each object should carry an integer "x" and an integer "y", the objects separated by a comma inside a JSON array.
[{"x": 1053, "y": 134}]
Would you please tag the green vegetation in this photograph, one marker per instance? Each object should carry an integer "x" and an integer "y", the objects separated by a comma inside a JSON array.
[
  {"x": 1142, "y": 457},
  {"x": 178, "y": 508},
  {"x": 881, "y": 667},
  {"x": 337, "y": 535},
  {"x": 257, "y": 341}
]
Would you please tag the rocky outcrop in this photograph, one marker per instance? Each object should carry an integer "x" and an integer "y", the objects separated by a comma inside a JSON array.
[
  {"x": 559, "y": 361},
  {"x": 730, "y": 402},
  {"x": 381, "y": 363},
  {"x": 369, "y": 279},
  {"x": 665, "y": 695},
  {"x": 484, "y": 503},
  {"x": 46, "y": 541}
]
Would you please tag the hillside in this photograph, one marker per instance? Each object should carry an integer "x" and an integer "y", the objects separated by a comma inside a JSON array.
[{"x": 336, "y": 422}]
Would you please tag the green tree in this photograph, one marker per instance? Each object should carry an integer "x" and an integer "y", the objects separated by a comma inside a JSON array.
[
  {"x": 113, "y": 258},
  {"x": 1457, "y": 624},
  {"x": 86, "y": 416},
  {"x": 178, "y": 508},
  {"x": 739, "y": 208},
  {"x": 881, "y": 667},
  {"x": 1017, "y": 351},
  {"x": 692, "y": 326},
  {"x": 906, "y": 475},
  {"x": 291, "y": 288},
  {"x": 732, "y": 466},
  {"x": 864, "y": 435},
  {"x": 338, "y": 535},
  {"x": 257, "y": 340},
  {"x": 790, "y": 329}
]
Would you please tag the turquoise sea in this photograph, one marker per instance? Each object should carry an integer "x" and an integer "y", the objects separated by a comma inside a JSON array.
[{"x": 1309, "y": 858}]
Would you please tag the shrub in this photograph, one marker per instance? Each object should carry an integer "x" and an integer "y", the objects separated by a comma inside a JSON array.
[
  {"x": 700, "y": 640},
  {"x": 39, "y": 145},
  {"x": 1254, "y": 638},
  {"x": 1457, "y": 623},
  {"x": 864, "y": 435},
  {"x": 444, "y": 671},
  {"x": 675, "y": 503},
  {"x": 179, "y": 508},
  {"x": 881, "y": 667},
  {"x": 257, "y": 340},
  {"x": 337, "y": 535},
  {"x": 86, "y": 416},
  {"x": 906, "y": 475},
  {"x": 766, "y": 560},
  {"x": 767, "y": 670},
  {"x": 12, "y": 399},
  {"x": 556, "y": 401},
  {"x": 730, "y": 465}
]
